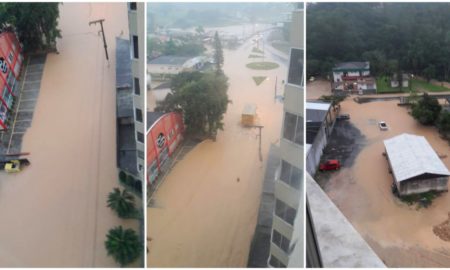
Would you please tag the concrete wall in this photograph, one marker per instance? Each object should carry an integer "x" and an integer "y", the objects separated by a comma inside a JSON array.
[
  {"x": 416, "y": 186},
  {"x": 340, "y": 245}
]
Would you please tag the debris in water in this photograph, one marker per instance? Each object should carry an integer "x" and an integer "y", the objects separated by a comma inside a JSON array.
[{"x": 443, "y": 230}]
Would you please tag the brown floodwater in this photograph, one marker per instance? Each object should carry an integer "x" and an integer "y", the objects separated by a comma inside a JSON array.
[
  {"x": 203, "y": 216},
  {"x": 54, "y": 213},
  {"x": 401, "y": 235}
]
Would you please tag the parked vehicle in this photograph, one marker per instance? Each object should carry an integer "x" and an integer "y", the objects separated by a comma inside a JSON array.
[
  {"x": 383, "y": 125},
  {"x": 344, "y": 116},
  {"x": 329, "y": 165},
  {"x": 15, "y": 165}
]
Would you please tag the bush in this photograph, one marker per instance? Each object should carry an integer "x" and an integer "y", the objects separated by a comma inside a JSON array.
[
  {"x": 427, "y": 110},
  {"x": 122, "y": 177},
  {"x": 130, "y": 180}
]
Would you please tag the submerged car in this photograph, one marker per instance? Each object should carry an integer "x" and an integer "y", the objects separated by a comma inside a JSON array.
[
  {"x": 344, "y": 116},
  {"x": 383, "y": 125},
  {"x": 330, "y": 165}
]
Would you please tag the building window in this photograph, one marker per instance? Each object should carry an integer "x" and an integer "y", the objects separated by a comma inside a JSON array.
[
  {"x": 133, "y": 5},
  {"x": 293, "y": 128},
  {"x": 135, "y": 47},
  {"x": 10, "y": 57},
  {"x": 140, "y": 137},
  {"x": 137, "y": 89},
  {"x": 295, "y": 73},
  {"x": 290, "y": 174},
  {"x": 138, "y": 115},
  {"x": 285, "y": 212},
  {"x": 140, "y": 154},
  {"x": 140, "y": 168},
  {"x": 281, "y": 241},
  {"x": 274, "y": 262}
]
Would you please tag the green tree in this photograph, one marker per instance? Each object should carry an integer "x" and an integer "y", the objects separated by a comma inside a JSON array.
[
  {"x": 429, "y": 72},
  {"x": 202, "y": 98},
  {"x": 218, "y": 52},
  {"x": 122, "y": 203},
  {"x": 123, "y": 245},
  {"x": 35, "y": 23},
  {"x": 443, "y": 123},
  {"x": 427, "y": 110}
]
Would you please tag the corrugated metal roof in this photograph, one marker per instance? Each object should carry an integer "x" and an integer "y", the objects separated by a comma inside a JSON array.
[
  {"x": 352, "y": 66},
  {"x": 412, "y": 155}
]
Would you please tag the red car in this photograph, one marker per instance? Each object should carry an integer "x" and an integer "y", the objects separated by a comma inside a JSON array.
[{"x": 329, "y": 165}]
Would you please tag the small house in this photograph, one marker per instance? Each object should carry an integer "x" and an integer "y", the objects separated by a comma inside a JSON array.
[
  {"x": 415, "y": 166},
  {"x": 350, "y": 71},
  {"x": 395, "y": 81}
]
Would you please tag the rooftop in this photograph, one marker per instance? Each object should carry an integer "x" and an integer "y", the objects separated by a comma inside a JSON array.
[
  {"x": 152, "y": 117},
  {"x": 351, "y": 66},
  {"x": 411, "y": 156},
  {"x": 169, "y": 60},
  {"x": 316, "y": 111}
]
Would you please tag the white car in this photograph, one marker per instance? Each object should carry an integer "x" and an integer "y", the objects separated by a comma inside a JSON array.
[{"x": 382, "y": 125}]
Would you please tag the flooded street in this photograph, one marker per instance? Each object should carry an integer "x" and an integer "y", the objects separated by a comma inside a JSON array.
[
  {"x": 203, "y": 215},
  {"x": 54, "y": 213},
  {"x": 401, "y": 235}
]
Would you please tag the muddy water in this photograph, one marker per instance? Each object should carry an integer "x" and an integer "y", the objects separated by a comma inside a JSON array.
[
  {"x": 203, "y": 215},
  {"x": 54, "y": 213},
  {"x": 401, "y": 235},
  {"x": 318, "y": 88}
]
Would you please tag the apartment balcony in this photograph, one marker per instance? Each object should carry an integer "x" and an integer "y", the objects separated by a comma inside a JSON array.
[{"x": 332, "y": 241}]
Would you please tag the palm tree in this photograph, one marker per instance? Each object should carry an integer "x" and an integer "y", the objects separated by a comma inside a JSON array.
[
  {"x": 121, "y": 202},
  {"x": 123, "y": 245}
]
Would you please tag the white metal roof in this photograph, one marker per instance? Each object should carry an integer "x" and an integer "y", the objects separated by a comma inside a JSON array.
[
  {"x": 318, "y": 106},
  {"x": 412, "y": 155}
]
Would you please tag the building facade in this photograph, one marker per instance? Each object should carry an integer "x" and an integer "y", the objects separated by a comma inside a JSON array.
[
  {"x": 11, "y": 62},
  {"x": 320, "y": 121},
  {"x": 285, "y": 237},
  {"x": 164, "y": 134},
  {"x": 136, "y": 24}
]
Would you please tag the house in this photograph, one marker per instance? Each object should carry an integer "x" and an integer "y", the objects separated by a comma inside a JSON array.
[
  {"x": 405, "y": 80},
  {"x": 166, "y": 66},
  {"x": 353, "y": 77},
  {"x": 320, "y": 120},
  {"x": 415, "y": 166},
  {"x": 350, "y": 71}
]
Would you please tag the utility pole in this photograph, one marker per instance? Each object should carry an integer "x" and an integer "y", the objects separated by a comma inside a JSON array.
[
  {"x": 260, "y": 136},
  {"x": 275, "y": 96},
  {"x": 103, "y": 34}
]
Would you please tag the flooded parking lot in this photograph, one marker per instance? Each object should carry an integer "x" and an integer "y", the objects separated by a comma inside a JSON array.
[{"x": 401, "y": 235}]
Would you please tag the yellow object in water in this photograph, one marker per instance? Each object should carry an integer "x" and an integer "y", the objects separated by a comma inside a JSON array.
[
  {"x": 248, "y": 115},
  {"x": 12, "y": 166}
]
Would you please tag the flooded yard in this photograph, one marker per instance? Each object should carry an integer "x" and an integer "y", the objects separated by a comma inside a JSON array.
[
  {"x": 205, "y": 211},
  {"x": 401, "y": 235}
]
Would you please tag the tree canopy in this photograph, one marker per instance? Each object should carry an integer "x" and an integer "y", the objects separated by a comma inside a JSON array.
[
  {"x": 218, "y": 52},
  {"x": 426, "y": 110},
  {"x": 202, "y": 98},
  {"x": 123, "y": 245},
  {"x": 35, "y": 23},
  {"x": 413, "y": 37}
]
